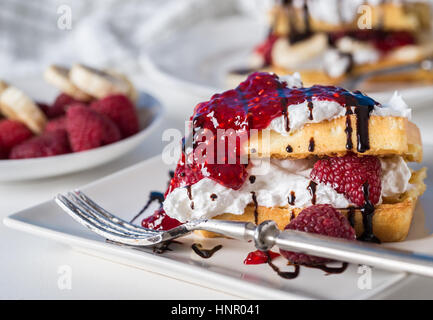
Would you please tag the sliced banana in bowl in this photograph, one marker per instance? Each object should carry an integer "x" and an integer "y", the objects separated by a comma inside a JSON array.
[
  {"x": 58, "y": 76},
  {"x": 99, "y": 83},
  {"x": 16, "y": 105}
]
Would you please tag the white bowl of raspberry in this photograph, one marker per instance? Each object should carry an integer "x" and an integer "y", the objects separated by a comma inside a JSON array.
[{"x": 78, "y": 137}]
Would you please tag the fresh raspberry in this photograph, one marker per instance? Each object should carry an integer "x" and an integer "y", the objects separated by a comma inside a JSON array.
[
  {"x": 56, "y": 124},
  {"x": 119, "y": 109},
  {"x": 87, "y": 129},
  {"x": 321, "y": 219},
  {"x": 349, "y": 174},
  {"x": 60, "y": 105},
  {"x": 46, "y": 145},
  {"x": 12, "y": 133}
]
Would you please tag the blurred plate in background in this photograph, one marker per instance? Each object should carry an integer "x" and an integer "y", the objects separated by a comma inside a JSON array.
[{"x": 207, "y": 51}]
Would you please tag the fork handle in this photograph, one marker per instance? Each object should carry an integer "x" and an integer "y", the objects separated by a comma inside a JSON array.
[
  {"x": 266, "y": 235},
  {"x": 354, "y": 251},
  {"x": 233, "y": 229}
]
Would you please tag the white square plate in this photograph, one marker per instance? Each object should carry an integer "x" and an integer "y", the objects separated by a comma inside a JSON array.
[{"x": 124, "y": 194}]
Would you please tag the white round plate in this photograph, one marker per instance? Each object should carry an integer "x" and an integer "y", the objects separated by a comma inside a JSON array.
[
  {"x": 206, "y": 51},
  {"x": 149, "y": 112}
]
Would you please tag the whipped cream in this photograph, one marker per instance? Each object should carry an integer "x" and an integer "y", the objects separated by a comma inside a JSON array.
[
  {"x": 395, "y": 176},
  {"x": 328, "y": 110},
  {"x": 273, "y": 189},
  {"x": 335, "y": 63}
]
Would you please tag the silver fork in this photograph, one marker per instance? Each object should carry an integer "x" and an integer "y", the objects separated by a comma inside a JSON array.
[
  {"x": 265, "y": 236},
  {"x": 353, "y": 82}
]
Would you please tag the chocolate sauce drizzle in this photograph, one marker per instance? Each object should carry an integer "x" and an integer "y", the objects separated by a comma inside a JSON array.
[
  {"x": 188, "y": 190},
  {"x": 351, "y": 216},
  {"x": 362, "y": 117},
  {"x": 295, "y": 34},
  {"x": 348, "y": 130},
  {"x": 311, "y": 145},
  {"x": 154, "y": 195},
  {"x": 252, "y": 179},
  {"x": 312, "y": 189},
  {"x": 256, "y": 213},
  {"x": 285, "y": 111},
  {"x": 205, "y": 253},
  {"x": 292, "y": 197},
  {"x": 310, "y": 108},
  {"x": 292, "y": 215},
  {"x": 367, "y": 218},
  {"x": 213, "y": 196}
]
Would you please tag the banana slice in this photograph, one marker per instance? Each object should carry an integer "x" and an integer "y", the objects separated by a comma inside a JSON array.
[
  {"x": 290, "y": 56},
  {"x": 16, "y": 105},
  {"x": 100, "y": 83},
  {"x": 59, "y": 77}
]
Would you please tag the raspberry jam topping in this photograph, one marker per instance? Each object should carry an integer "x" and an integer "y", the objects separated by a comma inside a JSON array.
[
  {"x": 265, "y": 49},
  {"x": 258, "y": 100},
  {"x": 384, "y": 41},
  {"x": 259, "y": 257},
  {"x": 160, "y": 221}
]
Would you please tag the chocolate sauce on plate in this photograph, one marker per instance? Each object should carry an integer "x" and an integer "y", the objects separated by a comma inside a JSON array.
[{"x": 205, "y": 253}]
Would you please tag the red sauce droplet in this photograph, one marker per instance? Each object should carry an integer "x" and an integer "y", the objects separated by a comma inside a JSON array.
[
  {"x": 160, "y": 221},
  {"x": 259, "y": 257}
]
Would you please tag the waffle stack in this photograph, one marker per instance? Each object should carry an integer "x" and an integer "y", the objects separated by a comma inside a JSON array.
[{"x": 297, "y": 130}]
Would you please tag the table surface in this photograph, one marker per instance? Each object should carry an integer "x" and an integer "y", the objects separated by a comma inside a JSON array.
[{"x": 30, "y": 265}]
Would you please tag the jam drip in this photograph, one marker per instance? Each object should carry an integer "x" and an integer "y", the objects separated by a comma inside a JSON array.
[
  {"x": 252, "y": 105},
  {"x": 205, "y": 253},
  {"x": 154, "y": 195}
]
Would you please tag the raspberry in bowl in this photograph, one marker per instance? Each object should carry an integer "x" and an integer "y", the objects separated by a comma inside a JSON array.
[{"x": 76, "y": 131}]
